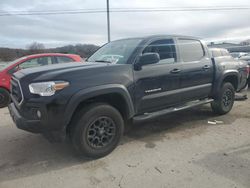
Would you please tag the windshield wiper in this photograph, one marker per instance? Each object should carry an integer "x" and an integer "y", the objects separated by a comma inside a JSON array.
[{"x": 103, "y": 61}]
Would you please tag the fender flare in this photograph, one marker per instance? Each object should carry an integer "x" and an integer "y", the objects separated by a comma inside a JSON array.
[
  {"x": 225, "y": 74},
  {"x": 87, "y": 93}
]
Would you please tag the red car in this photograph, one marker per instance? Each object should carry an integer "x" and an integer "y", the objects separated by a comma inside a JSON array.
[{"x": 27, "y": 62}]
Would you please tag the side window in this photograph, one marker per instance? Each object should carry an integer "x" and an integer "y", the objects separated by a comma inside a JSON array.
[
  {"x": 165, "y": 48},
  {"x": 50, "y": 62},
  {"x": 62, "y": 59},
  {"x": 36, "y": 62},
  {"x": 190, "y": 50}
]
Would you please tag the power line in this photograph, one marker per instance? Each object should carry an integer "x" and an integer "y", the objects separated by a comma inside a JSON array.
[
  {"x": 183, "y": 9},
  {"x": 116, "y": 8},
  {"x": 51, "y": 13},
  {"x": 120, "y": 10},
  {"x": 34, "y": 11}
]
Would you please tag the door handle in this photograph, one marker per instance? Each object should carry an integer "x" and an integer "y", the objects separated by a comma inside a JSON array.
[
  {"x": 206, "y": 67},
  {"x": 174, "y": 71}
]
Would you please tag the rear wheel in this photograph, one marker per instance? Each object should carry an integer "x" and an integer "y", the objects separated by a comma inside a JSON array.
[
  {"x": 225, "y": 99},
  {"x": 4, "y": 97},
  {"x": 96, "y": 130}
]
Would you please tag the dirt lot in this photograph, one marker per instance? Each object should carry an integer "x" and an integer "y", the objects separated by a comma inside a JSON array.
[{"x": 181, "y": 150}]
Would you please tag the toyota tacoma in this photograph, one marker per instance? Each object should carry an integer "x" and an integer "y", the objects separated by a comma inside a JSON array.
[{"x": 133, "y": 79}]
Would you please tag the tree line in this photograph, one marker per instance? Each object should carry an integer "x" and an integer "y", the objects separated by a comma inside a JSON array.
[{"x": 10, "y": 54}]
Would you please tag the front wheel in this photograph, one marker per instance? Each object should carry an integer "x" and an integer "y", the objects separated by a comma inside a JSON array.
[
  {"x": 97, "y": 130},
  {"x": 224, "y": 100},
  {"x": 4, "y": 98}
]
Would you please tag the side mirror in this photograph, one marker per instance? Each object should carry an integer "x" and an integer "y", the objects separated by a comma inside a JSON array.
[{"x": 147, "y": 58}]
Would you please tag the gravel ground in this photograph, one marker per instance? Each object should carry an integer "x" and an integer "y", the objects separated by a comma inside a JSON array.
[{"x": 180, "y": 150}]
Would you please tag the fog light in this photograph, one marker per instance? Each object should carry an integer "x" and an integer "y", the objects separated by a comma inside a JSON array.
[{"x": 39, "y": 114}]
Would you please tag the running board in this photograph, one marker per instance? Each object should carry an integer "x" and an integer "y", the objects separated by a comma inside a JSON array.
[{"x": 147, "y": 116}]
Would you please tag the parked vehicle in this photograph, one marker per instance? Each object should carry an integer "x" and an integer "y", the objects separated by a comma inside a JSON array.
[
  {"x": 35, "y": 60},
  {"x": 247, "y": 59},
  {"x": 134, "y": 79},
  {"x": 238, "y": 55},
  {"x": 224, "y": 58}
]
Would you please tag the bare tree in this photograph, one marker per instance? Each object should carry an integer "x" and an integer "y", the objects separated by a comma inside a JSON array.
[
  {"x": 245, "y": 43},
  {"x": 36, "y": 47},
  {"x": 84, "y": 50}
]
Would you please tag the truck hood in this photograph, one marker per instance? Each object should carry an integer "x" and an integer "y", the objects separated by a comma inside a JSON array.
[
  {"x": 79, "y": 75},
  {"x": 61, "y": 66},
  {"x": 64, "y": 68}
]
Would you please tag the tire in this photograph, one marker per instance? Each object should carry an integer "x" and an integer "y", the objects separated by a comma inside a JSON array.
[
  {"x": 223, "y": 103},
  {"x": 96, "y": 130},
  {"x": 4, "y": 98}
]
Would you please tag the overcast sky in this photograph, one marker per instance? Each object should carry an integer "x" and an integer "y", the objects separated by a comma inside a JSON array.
[{"x": 59, "y": 30}]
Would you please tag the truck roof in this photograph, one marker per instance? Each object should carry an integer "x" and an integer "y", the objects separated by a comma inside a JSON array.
[
  {"x": 170, "y": 36},
  {"x": 150, "y": 37}
]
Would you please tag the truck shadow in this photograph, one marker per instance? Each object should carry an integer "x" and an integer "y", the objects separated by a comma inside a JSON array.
[
  {"x": 183, "y": 124},
  {"x": 233, "y": 164},
  {"x": 28, "y": 154}
]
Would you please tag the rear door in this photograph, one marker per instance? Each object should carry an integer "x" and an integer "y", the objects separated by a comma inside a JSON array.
[
  {"x": 155, "y": 84},
  {"x": 197, "y": 70}
]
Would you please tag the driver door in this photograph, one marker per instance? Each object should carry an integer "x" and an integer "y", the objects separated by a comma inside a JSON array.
[{"x": 155, "y": 84}]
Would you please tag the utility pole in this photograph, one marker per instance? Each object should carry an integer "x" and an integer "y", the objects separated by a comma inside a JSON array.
[{"x": 108, "y": 21}]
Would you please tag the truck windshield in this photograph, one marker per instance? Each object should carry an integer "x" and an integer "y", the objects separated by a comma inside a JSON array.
[{"x": 116, "y": 52}]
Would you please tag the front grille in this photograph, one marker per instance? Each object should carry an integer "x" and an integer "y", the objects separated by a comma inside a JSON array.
[{"x": 16, "y": 91}]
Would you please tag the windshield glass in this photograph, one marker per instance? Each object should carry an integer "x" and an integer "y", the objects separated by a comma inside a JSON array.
[
  {"x": 116, "y": 52},
  {"x": 6, "y": 65}
]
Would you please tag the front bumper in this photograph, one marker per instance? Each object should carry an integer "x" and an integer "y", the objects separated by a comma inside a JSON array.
[
  {"x": 37, "y": 126},
  {"x": 33, "y": 126}
]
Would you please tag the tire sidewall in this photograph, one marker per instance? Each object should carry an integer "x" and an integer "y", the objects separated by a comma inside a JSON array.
[
  {"x": 226, "y": 87},
  {"x": 218, "y": 106},
  {"x": 90, "y": 115}
]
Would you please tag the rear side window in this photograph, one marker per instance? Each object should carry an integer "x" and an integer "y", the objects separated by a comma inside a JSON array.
[
  {"x": 165, "y": 48},
  {"x": 190, "y": 50},
  {"x": 62, "y": 59}
]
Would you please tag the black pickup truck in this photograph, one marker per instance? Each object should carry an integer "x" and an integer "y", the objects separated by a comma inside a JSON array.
[{"x": 130, "y": 79}]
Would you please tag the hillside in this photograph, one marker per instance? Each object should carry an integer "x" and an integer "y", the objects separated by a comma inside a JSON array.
[{"x": 84, "y": 50}]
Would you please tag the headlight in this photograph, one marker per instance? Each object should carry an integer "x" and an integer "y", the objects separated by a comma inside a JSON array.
[{"x": 47, "y": 88}]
